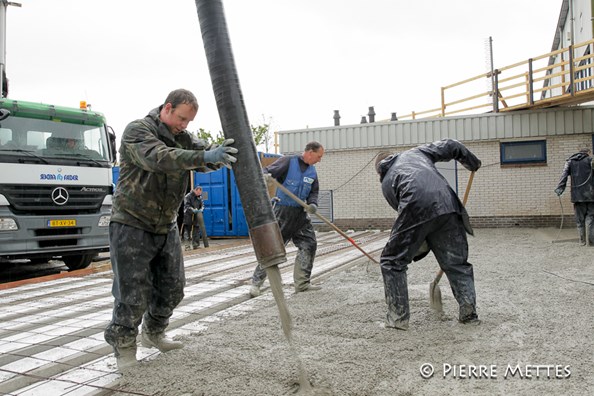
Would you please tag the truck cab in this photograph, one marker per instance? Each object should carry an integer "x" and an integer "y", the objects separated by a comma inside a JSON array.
[{"x": 56, "y": 182}]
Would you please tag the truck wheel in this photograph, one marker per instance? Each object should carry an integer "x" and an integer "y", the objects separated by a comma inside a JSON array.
[{"x": 77, "y": 262}]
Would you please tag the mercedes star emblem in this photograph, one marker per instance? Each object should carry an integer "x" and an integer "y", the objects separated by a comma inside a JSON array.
[{"x": 60, "y": 196}]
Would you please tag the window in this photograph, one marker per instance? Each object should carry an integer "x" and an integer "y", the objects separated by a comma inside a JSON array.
[{"x": 528, "y": 152}]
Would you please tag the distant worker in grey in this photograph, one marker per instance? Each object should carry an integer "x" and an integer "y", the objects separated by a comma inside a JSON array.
[
  {"x": 193, "y": 209},
  {"x": 580, "y": 167},
  {"x": 298, "y": 174},
  {"x": 430, "y": 211},
  {"x": 156, "y": 155}
]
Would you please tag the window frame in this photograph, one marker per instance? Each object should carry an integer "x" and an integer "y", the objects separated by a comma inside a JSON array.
[{"x": 523, "y": 161}]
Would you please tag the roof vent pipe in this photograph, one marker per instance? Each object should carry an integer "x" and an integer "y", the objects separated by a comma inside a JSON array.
[
  {"x": 394, "y": 118},
  {"x": 371, "y": 114},
  {"x": 363, "y": 120},
  {"x": 336, "y": 118}
]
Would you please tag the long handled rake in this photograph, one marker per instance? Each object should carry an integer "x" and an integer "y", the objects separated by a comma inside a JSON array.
[
  {"x": 434, "y": 291},
  {"x": 325, "y": 220}
]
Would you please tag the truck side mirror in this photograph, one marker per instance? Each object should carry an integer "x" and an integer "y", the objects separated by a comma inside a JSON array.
[
  {"x": 111, "y": 136},
  {"x": 4, "y": 114}
]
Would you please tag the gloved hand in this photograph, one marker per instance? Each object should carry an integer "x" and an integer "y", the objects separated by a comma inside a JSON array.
[
  {"x": 195, "y": 211},
  {"x": 312, "y": 208},
  {"x": 559, "y": 191},
  {"x": 221, "y": 155}
]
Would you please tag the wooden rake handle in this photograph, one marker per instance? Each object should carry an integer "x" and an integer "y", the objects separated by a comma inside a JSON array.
[
  {"x": 464, "y": 200},
  {"x": 325, "y": 220}
]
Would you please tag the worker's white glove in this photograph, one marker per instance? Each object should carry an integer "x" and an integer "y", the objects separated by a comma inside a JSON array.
[
  {"x": 221, "y": 155},
  {"x": 267, "y": 177},
  {"x": 312, "y": 208}
]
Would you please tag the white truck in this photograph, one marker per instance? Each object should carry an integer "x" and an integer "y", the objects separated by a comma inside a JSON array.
[{"x": 55, "y": 182}]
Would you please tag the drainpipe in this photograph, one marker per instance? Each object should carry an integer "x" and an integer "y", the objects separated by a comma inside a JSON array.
[{"x": 264, "y": 230}]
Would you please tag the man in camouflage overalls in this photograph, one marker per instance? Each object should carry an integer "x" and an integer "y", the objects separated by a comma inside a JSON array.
[{"x": 156, "y": 154}]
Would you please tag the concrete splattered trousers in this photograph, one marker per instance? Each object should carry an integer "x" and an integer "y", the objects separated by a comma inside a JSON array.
[
  {"x": 148, "y": 281},
  {"x": 446, "y": 237},
  {"x": 584, "y": 218},
  {"x": 295, "y": 225}
]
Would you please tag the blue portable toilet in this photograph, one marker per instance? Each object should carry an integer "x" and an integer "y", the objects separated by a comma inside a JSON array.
[
  {"x": 115, "y": 172},
  {"x": 223, "y": 211}
]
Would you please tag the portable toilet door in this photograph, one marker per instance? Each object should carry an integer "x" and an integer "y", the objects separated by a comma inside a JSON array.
[{"x": 223, "y": 213}]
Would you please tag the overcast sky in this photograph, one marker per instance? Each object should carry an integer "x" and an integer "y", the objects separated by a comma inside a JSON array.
[{"x": 297, "y": 60}]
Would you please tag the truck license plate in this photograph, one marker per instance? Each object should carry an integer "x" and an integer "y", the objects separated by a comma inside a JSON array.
[{"x": 61, "y": 223}]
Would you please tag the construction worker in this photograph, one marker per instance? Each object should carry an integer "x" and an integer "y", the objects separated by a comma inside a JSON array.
[
  {"x": 428, "y": 211},
  {"x": 580, "y": 167},
  {"x": 298, "y": 174},
  {"x": 156, "y": 153},
  {"x": 193, "y": 206}
]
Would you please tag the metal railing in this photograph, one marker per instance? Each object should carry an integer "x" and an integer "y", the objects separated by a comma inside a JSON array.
[{"x": 561, "y": 77}]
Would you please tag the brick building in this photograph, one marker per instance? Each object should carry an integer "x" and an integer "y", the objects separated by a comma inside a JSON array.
[{"x": 523, "y": 154}]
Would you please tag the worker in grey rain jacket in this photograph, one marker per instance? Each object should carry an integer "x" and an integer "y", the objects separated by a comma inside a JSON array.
[
  {"x": 156, "y": 155},
  {"x": 428, "y": 211},
  {"x": 580, "y": 167},
  {"x": 298, "y": 174}
]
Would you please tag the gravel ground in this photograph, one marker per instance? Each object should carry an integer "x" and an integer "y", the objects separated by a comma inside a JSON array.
[{"x": 535, "y": 289}]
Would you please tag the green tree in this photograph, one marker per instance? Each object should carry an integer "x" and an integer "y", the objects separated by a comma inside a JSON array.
[
  {"x": 261, "y": 134},
  {"x": 207, "y": 136}
]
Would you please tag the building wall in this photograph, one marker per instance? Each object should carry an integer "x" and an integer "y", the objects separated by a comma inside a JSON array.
[{"x": 500, "y": 196}]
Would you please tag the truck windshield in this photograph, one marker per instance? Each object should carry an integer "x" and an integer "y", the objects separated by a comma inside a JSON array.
[{"x": 52, "y": 140}]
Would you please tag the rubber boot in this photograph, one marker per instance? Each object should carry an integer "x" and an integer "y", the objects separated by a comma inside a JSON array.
[
  {"x": 589, "y": 235},
  {"x": 396, "y": 290},
  {"x": 255, "y": 291},
  {"x": 302, "y": 272},
  {"x": 582, "y": 234},
  {"x": 159, "y": 341},
  {"x": 125, "y": 357}
]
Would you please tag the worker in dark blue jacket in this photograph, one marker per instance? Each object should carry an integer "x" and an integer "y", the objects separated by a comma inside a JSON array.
[{"x": 298, "y": 174}]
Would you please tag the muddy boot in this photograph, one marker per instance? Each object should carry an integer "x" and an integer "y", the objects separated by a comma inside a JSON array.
[
  {"x": 159, "y": 341},
  {"x": 468, "y": 315},
  {"x": 582, "y": 235},
  {"x": 302, "y": 272},
  {"x": 125, "y": 357},
  {"x": 307, "y": 287},
  {"x": 396, "y": 290},
  {"x": 255, "y": 291}
]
